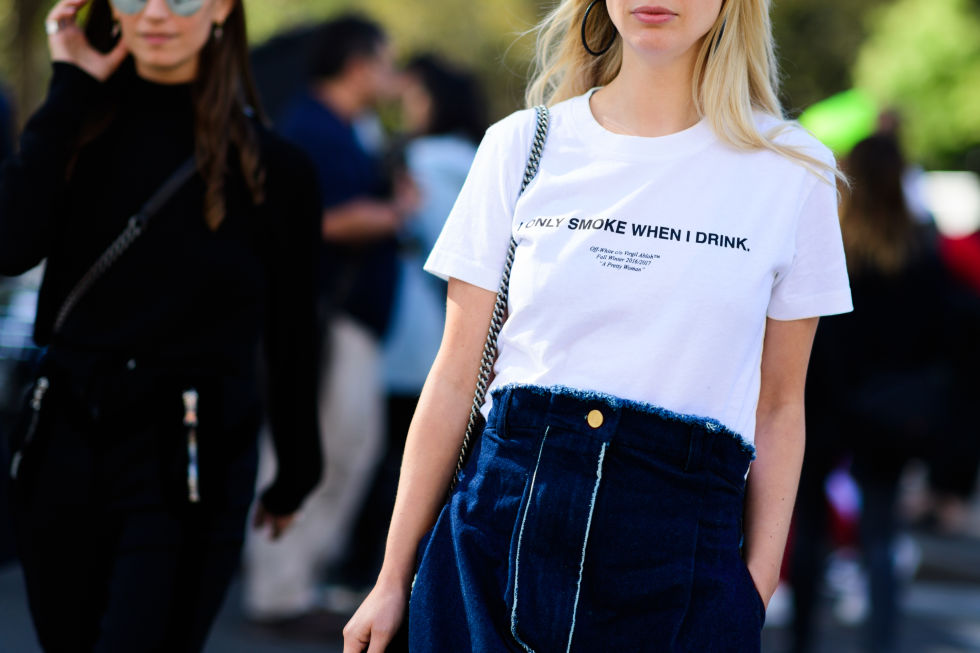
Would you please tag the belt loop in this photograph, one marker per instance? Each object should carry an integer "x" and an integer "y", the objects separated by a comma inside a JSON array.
[
  {"x": 617, "y": 414},
  {"x": 695, "y": 439},
  {"x": 501, "y": 406},
  {"x": 709, "y": 437}
]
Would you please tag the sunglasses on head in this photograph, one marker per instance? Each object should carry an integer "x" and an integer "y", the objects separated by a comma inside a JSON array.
[{"x": 179, "y": 7}]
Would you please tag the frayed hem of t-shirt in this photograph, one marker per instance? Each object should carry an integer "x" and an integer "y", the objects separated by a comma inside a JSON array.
[{"x": 707, "y": 423}]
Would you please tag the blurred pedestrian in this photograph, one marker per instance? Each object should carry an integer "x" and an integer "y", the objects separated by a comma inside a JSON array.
[
  {"x": 351, "y": 71},
  {"x": 443, "y": 114},
  {"x": 880, "y": 383},
  {"x": 671, "y": 254},
  {"x": 954, "y": 466},
  {"x": 889, "y": 124},
  {"x": 135, "y": 462}
]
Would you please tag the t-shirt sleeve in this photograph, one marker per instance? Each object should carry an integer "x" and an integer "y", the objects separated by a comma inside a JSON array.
[
  {"x": 815, "y": 283},
  {"x": 474, "y": 241}
]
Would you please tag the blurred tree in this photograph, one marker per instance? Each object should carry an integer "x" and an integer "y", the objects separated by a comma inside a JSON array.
[
  {"x": 22, "y": 50},
  {"x": 928, "y": 67},
  {"x": 817, "y": 41}
]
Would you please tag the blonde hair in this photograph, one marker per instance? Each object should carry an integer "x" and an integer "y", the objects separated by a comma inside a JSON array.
[{"x": 735, "y": 73}]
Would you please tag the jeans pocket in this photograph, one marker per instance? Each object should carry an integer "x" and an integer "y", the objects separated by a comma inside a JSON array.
[
  {"x": 752, "y": 591},
  {"x": 550, "y": 542}
]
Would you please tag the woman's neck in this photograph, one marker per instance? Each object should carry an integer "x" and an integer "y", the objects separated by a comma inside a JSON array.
[{"x": 647, "y": 99}]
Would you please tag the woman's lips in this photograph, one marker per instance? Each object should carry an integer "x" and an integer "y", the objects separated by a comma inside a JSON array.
[
  {"x": 154, "y": 38},
  {"x": 654, "y": 15}
]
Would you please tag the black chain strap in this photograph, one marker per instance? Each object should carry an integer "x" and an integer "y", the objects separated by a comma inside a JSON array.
[
  {"x": 134, "y": 228},
  {"x": 500, "y": 307}
]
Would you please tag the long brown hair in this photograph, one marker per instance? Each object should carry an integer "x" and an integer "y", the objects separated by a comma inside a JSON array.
[
  {"x": 225, "y": 103},
  {"x": 879, "y": 233}
]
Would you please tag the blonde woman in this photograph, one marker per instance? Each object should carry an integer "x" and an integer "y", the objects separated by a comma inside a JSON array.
[{"x": 674, "y": 253}]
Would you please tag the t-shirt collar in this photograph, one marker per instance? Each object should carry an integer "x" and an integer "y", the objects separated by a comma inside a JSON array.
[{"x": 608, "y": 143}]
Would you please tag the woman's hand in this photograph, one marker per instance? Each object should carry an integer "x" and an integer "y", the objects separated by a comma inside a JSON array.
[
  {"x": 68, "y": 43},
  {"x": 278, "y": 524},
  {"x": 377, "y": 620},
  {"x": 431, "y": 451},
  {"x": 765, "y": 582}
]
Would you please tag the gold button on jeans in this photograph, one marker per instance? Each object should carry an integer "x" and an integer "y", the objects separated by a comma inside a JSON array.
[{"x": 594, "y": 418}]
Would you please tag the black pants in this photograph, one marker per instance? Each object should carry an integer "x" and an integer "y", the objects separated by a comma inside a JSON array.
[
  {"x": 144, "y": 581},
  {"x": 114, "y": 556},
  {"x": 877, "y": 469}
]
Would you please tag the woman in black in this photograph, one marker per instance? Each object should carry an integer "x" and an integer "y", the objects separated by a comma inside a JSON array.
[
  {"x": 135, "y": 473},
  {"x": 880, "y": 386}
]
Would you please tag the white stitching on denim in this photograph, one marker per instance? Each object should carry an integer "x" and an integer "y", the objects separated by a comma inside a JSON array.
[
  {"x": 585, "y": 542},
  {"x": 520, "y": 538}
]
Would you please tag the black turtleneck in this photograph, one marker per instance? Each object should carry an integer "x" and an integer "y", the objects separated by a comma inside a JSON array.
[{"x": 183, "y": 296}]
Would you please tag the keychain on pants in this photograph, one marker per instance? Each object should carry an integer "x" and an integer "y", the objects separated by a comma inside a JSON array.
[{"x": 190, "y": 421}]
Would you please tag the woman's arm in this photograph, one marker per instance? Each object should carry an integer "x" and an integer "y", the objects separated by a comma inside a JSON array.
[
  {"x": 431, "y": 451},
  {"x": 293, "y": 213},
  {"x": 779, "y": 440},
  {"x": 31, "y": 180}
]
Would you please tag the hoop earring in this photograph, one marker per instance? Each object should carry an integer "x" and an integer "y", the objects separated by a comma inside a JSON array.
[
  {"x": 218, "y": 32},
  {"x": 585, "y": 42}
]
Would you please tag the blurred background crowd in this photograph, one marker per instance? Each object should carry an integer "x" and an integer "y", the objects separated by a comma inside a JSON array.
[{"x": 390, "y": 102}]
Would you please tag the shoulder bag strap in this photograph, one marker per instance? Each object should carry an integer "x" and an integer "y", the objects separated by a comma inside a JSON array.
[
  {"x": 500, "y": 307},
  {"x": 134, "y": 228}
]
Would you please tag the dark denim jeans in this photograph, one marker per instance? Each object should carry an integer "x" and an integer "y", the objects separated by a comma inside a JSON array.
[{"x": 583, "y": 522}]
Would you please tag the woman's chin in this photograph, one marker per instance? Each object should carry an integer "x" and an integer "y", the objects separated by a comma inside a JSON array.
[{"x": 164, "y": 67}]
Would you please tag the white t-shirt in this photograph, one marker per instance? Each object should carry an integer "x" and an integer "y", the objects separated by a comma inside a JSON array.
[{"x": 646, "y": 267}]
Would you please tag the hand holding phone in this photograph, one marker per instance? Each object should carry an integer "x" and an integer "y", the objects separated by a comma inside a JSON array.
[{"x": 68, "y": 43}]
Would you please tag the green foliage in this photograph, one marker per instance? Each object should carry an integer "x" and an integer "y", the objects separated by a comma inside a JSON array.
[
  {"x": 6, "y": 23},
  {"x": 925, "y": 61},
  {"x": 817, "y": 41},
  {"x": 23, "y": 62},
  {"x": 267, "y": 18}
]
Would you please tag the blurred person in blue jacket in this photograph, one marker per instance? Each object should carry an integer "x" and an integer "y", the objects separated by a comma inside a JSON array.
[
  {"x": 443, "y": 113},
  {"x": 351, "y": 70}
]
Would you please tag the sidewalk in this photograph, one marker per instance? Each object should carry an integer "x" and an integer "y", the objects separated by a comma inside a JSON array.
[
  {"x": 942, "y": 613},
  {"x": 231, "y": 633}
]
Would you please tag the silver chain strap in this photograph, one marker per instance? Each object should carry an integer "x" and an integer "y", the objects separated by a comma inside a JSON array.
[
  {"x": 500, "y": 307},
  {"x": 104, "y": 262},
  {"x": 134, "y": 229}
]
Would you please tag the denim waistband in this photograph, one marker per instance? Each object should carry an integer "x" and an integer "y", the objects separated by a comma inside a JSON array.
[{"x": 687, "y": 441}]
